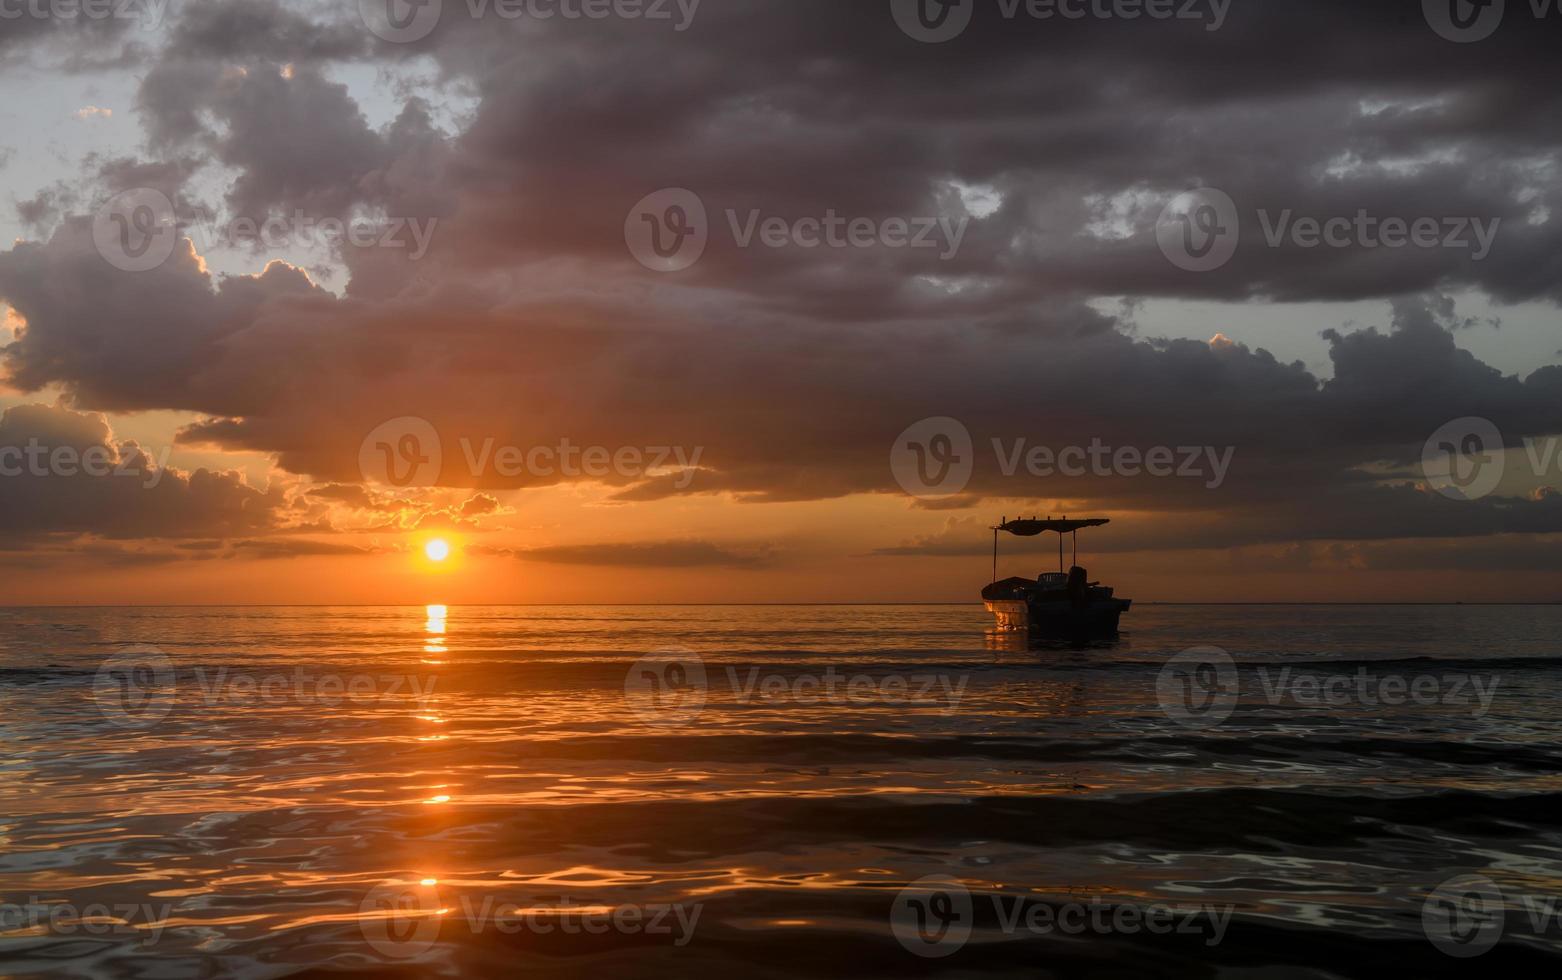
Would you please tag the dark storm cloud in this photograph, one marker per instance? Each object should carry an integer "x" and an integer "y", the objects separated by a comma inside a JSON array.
[
  {"x": 796, "y": 414},
  {"x": 794, "y": 368},
  {"x": 1349, "y": 514},
  {"x": 274, "y": 549},
  {"x": 63, "y": 35},
  {"x": 666, "y": 554},
  {"x": 298, "y": 142},
  {"x": 1082, "y": 130},
  {"x": 62, "y": 472},
  {"x": 134, "y": 341},
  {"x": 797, "y": 108},
  {"x": 357, "y": 497},
  {"x": 1511, "y": 553}
]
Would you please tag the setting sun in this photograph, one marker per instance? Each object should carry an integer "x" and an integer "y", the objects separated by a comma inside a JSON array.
[{"x": 437, "y": 550}]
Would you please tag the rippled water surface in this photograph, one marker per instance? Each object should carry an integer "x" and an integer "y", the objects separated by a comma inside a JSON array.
[{"x": 685, "y": 791}]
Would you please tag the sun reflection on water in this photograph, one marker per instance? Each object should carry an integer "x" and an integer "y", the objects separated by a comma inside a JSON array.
[{"x": 438, "y": 615}]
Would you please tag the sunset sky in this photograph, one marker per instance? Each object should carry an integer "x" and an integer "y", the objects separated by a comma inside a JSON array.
[{"x": 516, "y": 173}]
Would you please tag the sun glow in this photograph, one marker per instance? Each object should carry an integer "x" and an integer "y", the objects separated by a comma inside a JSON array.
[{"x": 437, "y": 549}]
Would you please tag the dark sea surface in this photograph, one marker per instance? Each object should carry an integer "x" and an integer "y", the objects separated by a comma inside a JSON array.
[{"x": 779, "y": 791}]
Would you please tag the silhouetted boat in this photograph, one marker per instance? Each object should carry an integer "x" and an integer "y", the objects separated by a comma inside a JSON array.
[{"x": 1056, "y": 602}]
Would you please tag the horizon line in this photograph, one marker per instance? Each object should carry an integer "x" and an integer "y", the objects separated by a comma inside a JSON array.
[{"x": 726, "y": 605}]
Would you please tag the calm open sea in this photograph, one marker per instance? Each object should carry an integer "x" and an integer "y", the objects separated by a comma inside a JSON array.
[{"x": 782, "y": 791}]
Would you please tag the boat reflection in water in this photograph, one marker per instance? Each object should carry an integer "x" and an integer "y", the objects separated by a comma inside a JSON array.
[
  {"x": 1060, "y": 604},
  {"x": 1026, "y": 643}
]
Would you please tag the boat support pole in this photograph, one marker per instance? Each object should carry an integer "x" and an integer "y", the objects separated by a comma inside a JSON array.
[
  {"x": 995, "y": 554},
  {"x": 1060, "y": 551}
]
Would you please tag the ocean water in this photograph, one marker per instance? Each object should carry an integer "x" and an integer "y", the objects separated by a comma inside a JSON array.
[{"x": 785, "y": 791}]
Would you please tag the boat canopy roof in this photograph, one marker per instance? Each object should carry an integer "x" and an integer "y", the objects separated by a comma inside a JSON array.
[{"x": 1023, "y": 528}]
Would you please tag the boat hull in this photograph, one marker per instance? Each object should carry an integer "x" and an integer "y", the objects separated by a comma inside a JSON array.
[{"x": 1096, "y": 617}]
